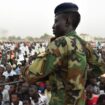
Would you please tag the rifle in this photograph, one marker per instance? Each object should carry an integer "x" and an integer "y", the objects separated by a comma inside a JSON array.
[{"x": 10, "y": 83}]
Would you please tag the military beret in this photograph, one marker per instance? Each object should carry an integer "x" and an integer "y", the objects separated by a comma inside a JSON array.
[{"x": 66, "y": 7}]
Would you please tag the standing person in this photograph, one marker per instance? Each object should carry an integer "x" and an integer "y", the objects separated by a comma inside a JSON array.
[
  {"x": 91, "y": 97},
  {"x": 9, "y": 71},
  {"x": 27, "y": 101},
  {"x": 5, "y": 95},
  {"x": 33, "y": 91},
  {"x": 48, "y": 92},
  {"x": 1, "y": 99},
  {"x": 65, "y": 60},
  {"x": 101, "y": 100},
  {"x": 15, "y": 99},
  {"x": 2, "y": 68},
  {"x": 23, "y": 91}
]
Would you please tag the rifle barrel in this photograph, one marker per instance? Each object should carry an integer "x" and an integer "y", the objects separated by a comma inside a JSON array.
[{"x": 10, "y": 83}]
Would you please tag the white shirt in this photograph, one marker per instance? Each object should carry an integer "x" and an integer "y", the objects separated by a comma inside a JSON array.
[
  {"x": 6, "y": 74},
  {"x": 20, "y": 103},
  {"x": 5, "y": 94},
  {"x": 48, "y": 95},
  {"x": 21, "y": 57},
  {"x": 41, "y": 101}
]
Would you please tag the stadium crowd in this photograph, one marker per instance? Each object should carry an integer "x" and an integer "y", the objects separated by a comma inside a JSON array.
[{"x": 14, "y": 57}]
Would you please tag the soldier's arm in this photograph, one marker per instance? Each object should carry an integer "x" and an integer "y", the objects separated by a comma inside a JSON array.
[
  {"x": 47, "y": 63},
  {"x": 97, "y": 65}
]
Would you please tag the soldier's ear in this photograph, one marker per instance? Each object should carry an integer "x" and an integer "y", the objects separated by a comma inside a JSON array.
[{"x": 68, "y": 21}]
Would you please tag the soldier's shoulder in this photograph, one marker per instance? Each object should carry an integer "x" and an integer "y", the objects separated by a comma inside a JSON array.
[{"x": 60, "y": 41}]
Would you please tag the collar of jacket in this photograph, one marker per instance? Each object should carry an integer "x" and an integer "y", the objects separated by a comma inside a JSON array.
[{"x": 72, "y": 33}]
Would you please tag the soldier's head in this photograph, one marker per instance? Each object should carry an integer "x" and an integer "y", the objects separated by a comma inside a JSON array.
[{"x": 67, "y": 19}]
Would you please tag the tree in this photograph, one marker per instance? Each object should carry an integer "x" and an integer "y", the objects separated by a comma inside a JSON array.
[
  {"x": 29, "y": 38},
  {"x": 18, "y": 38},
  {"x": 11, "y": 38},
  {"x": 3, "y": 38}
]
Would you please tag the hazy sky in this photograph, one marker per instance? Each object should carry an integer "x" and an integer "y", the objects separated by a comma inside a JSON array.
[{"x": 36, "y": 17}]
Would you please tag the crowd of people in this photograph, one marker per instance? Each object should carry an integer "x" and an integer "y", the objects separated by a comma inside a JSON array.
[
  {"x": 95, "y": 86},
  {"x": 14, "y": 57}
]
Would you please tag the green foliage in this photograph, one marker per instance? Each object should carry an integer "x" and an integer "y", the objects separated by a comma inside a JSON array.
[
  {"x": 29, "y": 38},
  {"x": 45, "y": 36}
]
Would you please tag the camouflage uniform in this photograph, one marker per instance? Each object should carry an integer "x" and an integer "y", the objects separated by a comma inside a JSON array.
[{"x": 64, "y": 64}]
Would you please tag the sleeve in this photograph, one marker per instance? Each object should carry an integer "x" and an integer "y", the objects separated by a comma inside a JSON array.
[
  {"x": 93, "y": 59},
  {"x": 47, "y": 63}
]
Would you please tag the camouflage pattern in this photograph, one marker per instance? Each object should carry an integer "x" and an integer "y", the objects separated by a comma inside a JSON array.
[{"x": 64, "y": 65}]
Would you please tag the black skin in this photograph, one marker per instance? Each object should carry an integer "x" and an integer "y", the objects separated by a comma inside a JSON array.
[
  {"x": 15, "y": 99},
  {"x": 62, "y": 25},
  {"x": 32, "y": 91},
  {"x": 27, "y": 102},
  {"x": 101, "y": 100},
  {"x": 1, "y": 70},
  {"x": 8, "y": 68}
]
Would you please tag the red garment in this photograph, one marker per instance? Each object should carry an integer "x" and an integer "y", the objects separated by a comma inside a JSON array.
[
  {"x": 93, "y": 100},
  {"x": 12, "y": 55},
  {"x": 41, "y": 84},
  {"x": 0, "y": 55}
]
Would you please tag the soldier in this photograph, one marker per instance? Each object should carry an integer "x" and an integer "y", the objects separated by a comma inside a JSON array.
[{"x": 64, "y": 63}]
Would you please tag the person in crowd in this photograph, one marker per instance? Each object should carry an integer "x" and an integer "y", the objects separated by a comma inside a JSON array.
[
  {"x": 21, "y": 57},
  {"x": 15, "y": 99},
  {"x": 1, "y": 99},
  {"x": 18, "y": 68},
  {"x": 91, "y": 98},
  {"x": 48, "y": 92},
  {"x": 41, "y": 86},
  {"x": 27, "y": 101},
  {"x": 4, "y": 57},
  {"x": 24, "y": 90},
  {"x": 94, "y": 83},
  {"x": 101, "y": 100},
  {"x": 102, "y": 83},
  {"x": 12, "y": 89},
  {"x": 9, "y": 71},
  {"x": 2, "y": 68},
  {"x": 43, "y": 98},
  {"x": 37, "y": 98},
  {"x": 5, "y": 95},
  {"x": 33, "y": 90}
]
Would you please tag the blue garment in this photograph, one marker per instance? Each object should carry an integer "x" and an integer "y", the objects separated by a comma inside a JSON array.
[{"x": 18, "y": 71}]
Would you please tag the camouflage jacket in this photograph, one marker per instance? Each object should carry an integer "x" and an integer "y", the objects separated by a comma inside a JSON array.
[{"x": 64, "y": 65}]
